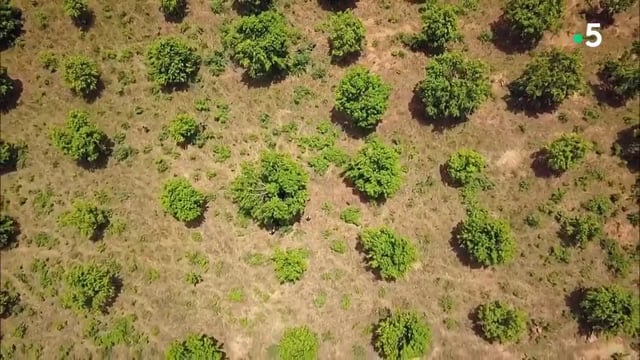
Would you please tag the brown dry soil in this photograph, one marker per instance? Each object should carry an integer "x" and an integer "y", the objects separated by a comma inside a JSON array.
[{"x": 152, "y": 246}]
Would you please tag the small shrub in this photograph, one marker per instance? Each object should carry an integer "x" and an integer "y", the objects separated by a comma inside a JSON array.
[
  {"x": 566, "y": 152},
  {"x": 48, "y": 60},
  {"x": 439, "y": 29},
  {"x": 86, "y": 217},
  {"x": 290, "y": 264},
  {"x": 195, "y": 346},
  {"x": 173, "y": 9},
  {"x": 216, "y": 62},
  {"x": 454, "y": 86},
  {"x": 162, "y": 165},
  {"x": 8, "y": 231},
  {"x": 465, "y": 167},
  {"x": 501, "y": 322},
  {"x": 91, "y": 287},
  {"x": 548, "y": 79},
  {"x": 218, "y": 6},
  {"x": 300, "y": 93},
  {"x": 611, "y": 310},
  {"x": 184, "y": 129},
  {"x": 599, "y": 205},
  {"x": 532, "y": 220},
  {"x": 172, "y": 62},
  {"x": 259, "y": 43},
  {"x": 528, "y": 19},
  {"x": 193, "y": 278},
  {"x": 45, "y": 240},
  {"x": 221, "y": 152},
  {"x": 80, "y": 139},
  {"x": 236, "y": 295},
  {"x": 339, "y": 246},
  {"x": 621, "y": 77},
  {"x": 350, "y": 215},
  {"x": 81, "y": 75},
  {"x": 375, "y": 170},
  {"x": 273, "y": 192},
  {"x": 78, "y": 11},
  {"x": 387, "y": 252},
  {"x": 363, "y": 97},
  {"x": 346, "y": 34},
  {"x": 402, "y": 335},
  {"x": 298, "y": 343},
  {"x": 487, "y": 240},
  {"x": 560, "y": 253},
  {"x": 581, "y": 229},
  {"x": 11, "y": 23},
  {"x": 180, "y": 199},
  {"x": 617, "y": 261}
]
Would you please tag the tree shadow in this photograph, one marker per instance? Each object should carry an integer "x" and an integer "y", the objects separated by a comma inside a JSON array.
[
  {"x": 539, "y": 165},
  {"x": 12, "y": 238},
  {"x": 94, "y": 95},
  {"x": 598, "y": 15},
  {"x": 474, "y": 317},
  {"x": 461, "y": 253},
  {"x": 376, "y": 272},
  {"x": 247, "y": 10},
  {"x": 604, "y": 95},
  {"x": 85, "y": 21},
  {"x": 346, "y": 60},
  {"x": 417, "y": 110},
  {"x": 9, "y": 39},
  {"x": 98, "y": 233},
  {"x": 507, "y": 41},
  {"x": 573, "y": 300},
  {"x": 342, "y": 120},
  {"x": 532, "y": 109},
  {"x": 361, "y": 196},
  {"x": 629, "y": 141},
  {"x": 195, "y": 223},
  {"x": 445, "y": 178},
  {"x": 117, "y": 286},
  {"x": 177, "y": 17},
  {"x": 10, "y": 102},
  {"x": 337, "y": 5},
  {"x": 102, "y": 161},
  {"x": 263, "y": 81}
]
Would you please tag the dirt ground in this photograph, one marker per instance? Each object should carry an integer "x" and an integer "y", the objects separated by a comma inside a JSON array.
[{"x": 167, "y": 308}]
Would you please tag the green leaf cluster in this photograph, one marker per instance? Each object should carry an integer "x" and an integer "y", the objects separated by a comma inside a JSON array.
[
  {"x": 81, "y": 74},
  {"x": 439, "y": 28},
  {"x": 290, "y": 264},
  {"x": 272, "y": 192},
  {"x": 298, "y": 343},
  {"x": 387, "y": 252},
  {"x": 181, "y": 200},
  {"x": 184, "y": 129},
  {"x": 363, "y": 97},
  {"x": 77, "y": 10},
  {"x": 528, "y": 19},
  {"x": 80, "y": 139},
  {"x": 195, "y": 346},
  {"x": 346, "y": 34},
  {"x": 172, "y": 62},
  {"x": 260, "y": 43},
  {"x": 501, "y": 322},
  {"x": 375, "y": 170},
  {"x": 487, "y": 240},
  {"x": 86, "y": 217},
  {"x": 622, "y": 76},
  {"x": 566, "y": 152},
  {"x": 454, "y": 86},
  {"x": 611, "y": 310},
  {"x": 8, "y": 231},
  {"x": 465, "y": 168},
  {"x": 612, "y": 7},
  {"x": 549, "y": 78},
  {"x": 402, "y": 335},
  {"x": 581, "y": 229},
  {"x": 90, "y": 287},
  {"x": 11, "y": 23}
]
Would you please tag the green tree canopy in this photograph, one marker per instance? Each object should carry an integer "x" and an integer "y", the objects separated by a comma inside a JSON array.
[
  {"x": 274, "y": 191},
  {"x": 80, "y": 139},
  {"x": 298, "y": 343},
  {"x": 501, "y": 322},
  {"x": 8, "y": 231},
  {"x": 611, "y": 310},
  {"x": 78, "y": 11},
  {"x": 81, "y": 74},
  {"x": 346, "y": 34},
  {"x": 363, "y": 97},
  {"x": 387, "y": 252},
  {"x": 375, "y": 170},
  {"x": 621, "y": 77},
  {"x": 566, "y": 152},
  {"x": 402, "y": 335},
  {"x": 454, "y": 86},
  {"x": 254, "y": 6},
  {"x": 465, "y": 168},
  {"x": 90, "y": 287},
  {"x": 180, "y": 199},
  {"x": 6, "y": 87},
  {"x": 172, "y": 62},
  {"x": 195, "y": 346},
  {"x": 439, "y": 29},
  {"x": 86, "y": 217},
  {"x": 487, "y": 240},
  {"x": 529, "y": 19},
  {"x": 173, "y": 9},
  {"x": 11, "y": 23}
]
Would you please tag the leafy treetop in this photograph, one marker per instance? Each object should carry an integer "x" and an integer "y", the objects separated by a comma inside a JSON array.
[
  {"x": 402, "y": 335},
  {"x": 528, "y": 19},
  {"x": 195, "y": 346},
  {"x": 172, "y": 62},
  {"x": 363, "y": 97},
  {"x": 81, "y": 74},
  {"x": 180, "y": 199},
  {"x": 346, "y": 34},
  {"x": 566, "y": 152},
  {"x": 80, "y": 139},
  {"x": 298, "y": 343},
  {"x": 622, "y": 76},
  {"x": 91, "y": 287},
  {"x": 501, "y": 322},
  {"x": 375, "y": 170},
  {"x": 389, "y": 253},
  {"x": 488, "y": 240}
]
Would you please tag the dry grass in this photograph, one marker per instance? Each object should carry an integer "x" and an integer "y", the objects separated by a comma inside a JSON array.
[{"x": 168, "y": 308}]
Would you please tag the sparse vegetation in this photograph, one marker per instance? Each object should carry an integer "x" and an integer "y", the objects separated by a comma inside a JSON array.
[
  {"x": 195, "y": 346},
  {"x": 581, "y": 229}
]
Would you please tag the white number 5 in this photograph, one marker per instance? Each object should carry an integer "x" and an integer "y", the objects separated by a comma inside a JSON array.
[{"x": 592, "y": 32}]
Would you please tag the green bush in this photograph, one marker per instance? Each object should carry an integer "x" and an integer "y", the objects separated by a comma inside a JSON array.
[
  {"x": 375, "y": 170},
  {"x": 454, "y": 86},
  {"x": 290, "y": 264},
  {"x": 387, "y": 252},
  {"x": 363, "y": 97},
  {"x": 273, "y": 192},
  {"x": 259, "y": 43},
  {"x": 80, "y": 139},
  {"x": 581, "y": 229},
  {"x": 346, "y": 34},
  {"x": 548, "y": 79},
  {"x": 172, "y": 62},
  {"x": 529, "y": 19},
  {"x": 611, "y": 310},
  {"x": 402, "y": 335},
  {"x": 599, "y": 205},
  {"x": 180, "y": 199},
  {"x": 487, "y": 240},
  {"x": 617, "y": 262},
  {"x": 8, "y": 231},
  {"x": 195, "y": 346},
  {"x": 298, "y": 343},
  {"x": 6, "y": 86},
  {"x": 465, "y": 168},
  {"x": 254, "y": 6},
  {"x": 566, "y": 152},
  {"x": 81, "y": 75},
  {"x": 78, "y": 11},
  {"x": 612, "y": 7},
  {"x": 11, "y": 23},
  {"x": 173, "y": 9},
  {"x": 350, "y": 215},
  {"x": 184, "y": 129},
  {"x": 439, "y": 29},
  {"x": 621, "y": 77},
  {"x": 501, "y": 322},
  {"x": 91, "y": 287},
  {"x": 86, "y": 217}
]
